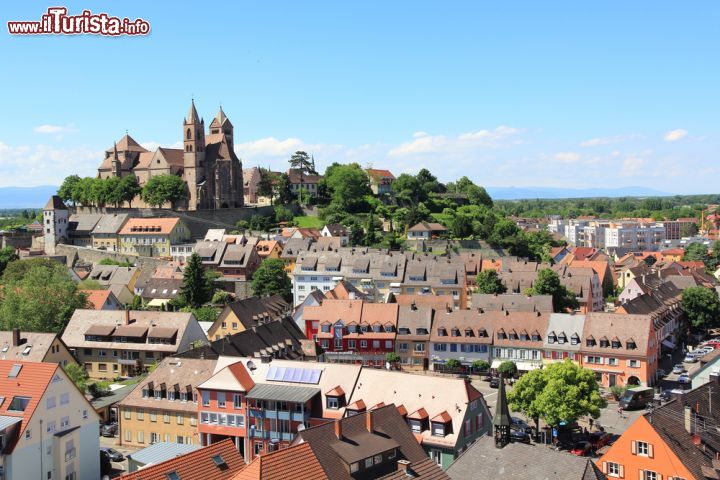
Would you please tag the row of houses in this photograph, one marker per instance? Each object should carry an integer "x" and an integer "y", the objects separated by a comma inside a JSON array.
[
  {"x": 623, "y": 349},
  {"x": 263, "y": 406}
]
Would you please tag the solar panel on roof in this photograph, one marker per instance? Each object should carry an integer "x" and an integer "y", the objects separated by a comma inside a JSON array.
[{"x": 294, "y": 375}]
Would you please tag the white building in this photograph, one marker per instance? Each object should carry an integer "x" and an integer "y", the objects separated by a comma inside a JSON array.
[
  {"x": 635, "y": 236},
  {"x": 48, "y": 430}
]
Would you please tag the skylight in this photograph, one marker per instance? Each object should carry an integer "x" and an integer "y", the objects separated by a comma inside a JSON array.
[
  {"x": 19, "y": 404},
  {"x": 15, "y": 370},
  {"x": 219, "y": 462},
  {"x": 173, "y": 476}
]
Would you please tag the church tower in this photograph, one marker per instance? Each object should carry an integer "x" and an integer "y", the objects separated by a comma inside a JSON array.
[
  {"x": 194, "y": 154},
  {"x": 55, "y": 223},
  {"x": 221, "y": 124},
  {"x": 501, "y": 421}
]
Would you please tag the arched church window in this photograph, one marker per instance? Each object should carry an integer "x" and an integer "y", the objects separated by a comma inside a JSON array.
[{"x": 189, "y": 134}]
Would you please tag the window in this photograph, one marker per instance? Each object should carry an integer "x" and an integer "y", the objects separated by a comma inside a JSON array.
[
  {"x": 613, "y": 361},
  {"x": 363, "y": 343},
  {"x": 337, "y": 343},
  {"x": 436, "y": 455},
  {"x": 128, "y": 436},
  {"x": 258, "y": 448},
  {"x": 126, "y": 413},
  {"x": 438, "y": 429},
  {"x": 166, "y": 417},
  {"x": 50, "y": 403},
  {"x": 648, "y": 475},
  {"x": 416, "y": 426},
  {"x": 468, "y": 427},
  {"x": 64, "y": 422},
  {"x": 102, "y": 367},
  {"x": 354, "y": 467},
  {"x": 141, "y": 415},
  {"x": 333, "y": 403},
  {"x": 153, "y": 416},
  {"x": 221, "y": 399},
  {"x": 352, "y": 344},
  {"x": 388, "y": 344},
  {"x": 205, "y": 399},
  {"x": 193, "y": 421},
  {"x": 641, "y": 448},
  {"x": 64, "y": 398},
  {"x": 633, "y": 363},
  {"x": 378, "y": 459},
  {"x": 50, "y": 427},
  {"x": 368, "y": 462},
  {"x": 237, "y": 401},
  {"x": 141, "y": 437}
]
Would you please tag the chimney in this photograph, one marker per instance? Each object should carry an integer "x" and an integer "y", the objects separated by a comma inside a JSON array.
[
  {"x": 413, "y": 306},
  {"x": 404, "y": 466},
  {"x": 338, "y": 429},
  {"x": 448, "y": 308},
  {"x": 369, "y": 421},
  {"x": 507, "y": 313},
  {"x": 688, "y": 419},
  {"x": 16, "y": 337}
]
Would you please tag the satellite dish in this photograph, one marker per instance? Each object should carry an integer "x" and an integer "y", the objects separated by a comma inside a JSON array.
[{"x": 250, "y": 364}]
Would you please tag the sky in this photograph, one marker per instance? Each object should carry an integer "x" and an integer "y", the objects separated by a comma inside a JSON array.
[{"x": 522, "y": 93}]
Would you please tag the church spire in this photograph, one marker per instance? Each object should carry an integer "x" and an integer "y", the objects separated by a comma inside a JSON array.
[
  {"x": 221, "y": 117},
  {"x": 193, "y": 116},
  {"x": 501, "y": 421}
]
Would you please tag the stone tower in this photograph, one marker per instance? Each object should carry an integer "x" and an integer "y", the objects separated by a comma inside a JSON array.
[
  {"x": 194, "y": 155},
  {"x": 221, "y": 125},
  {"x": 55, "y": 223}
]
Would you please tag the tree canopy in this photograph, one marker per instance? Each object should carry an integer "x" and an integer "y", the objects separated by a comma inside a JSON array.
[
  {"x": 162, "y": 189},
  {"x": 271, "y": 278},
  {"x": 197, "y": 288},
  {"x": 701, "y": 306},
  {"x": 488, "y": 281},
  {"x": 559, "y": 392},
  {"x": 548, "y": 283}
]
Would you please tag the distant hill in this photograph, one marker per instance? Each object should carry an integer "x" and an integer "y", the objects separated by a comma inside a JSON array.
[
  {"x": 518, "y": 193},
  {"x": 26, "y": 197}
]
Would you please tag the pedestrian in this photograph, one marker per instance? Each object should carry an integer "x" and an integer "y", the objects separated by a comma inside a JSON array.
[{"x": 591, "y": 423}]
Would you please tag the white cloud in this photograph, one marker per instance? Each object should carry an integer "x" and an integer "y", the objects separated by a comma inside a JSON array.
[
  {"x": 442, "y": 144},
  {"x": 595, "y": 142},
  {"x": 567, "y": 157},
  {"x": 675, "y": 135},
  {"x": 55, "y": 129},
  {"x": 30, "y": 165},
  {"x": 632, "y": 165},
  {"x": 152, "y": 145}
]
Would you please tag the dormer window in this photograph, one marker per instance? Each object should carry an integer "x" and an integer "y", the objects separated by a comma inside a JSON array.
[
  {"x": 524, "y": 336},
  {"x": 333, "y": 403},
  {"x": 513, "y": 335},
  {"x": 562, "y": 338},
  {"x": 421, "y": 331},
  {"x": 352, "y": 328},
  {"x": 388, "y": 328},
  {"x": 455, "y": 332},
  {"x": 590, "y": 342},
  {"x": 616, "y": 343},
  {"x": 575, "y": 339},
  {"x": 325, "y": 328},
  {"x": 501, "y": 335},
  {"x": 377, "y": 328},
  {"x": 363, "y": 328},
  {"x": 535, "y": 337},
  {"x": 604, "y": 342},
  {"x": 552, "y": 338},
  {"x": 438, "y": 429},
  {"x": 469, "y": 332},
  {"x": 442, "y": 332},
  {"x": 403, "y": 331},
  {"x": 482, "y": 333},
  {"x": 631, "y": 345}
]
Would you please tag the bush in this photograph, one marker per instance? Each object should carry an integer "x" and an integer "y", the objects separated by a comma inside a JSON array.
[
  {"x": 617, "y": 391},
  {"x": 452, "y": 364},
  {"x": 392, "y": 357},
  {"x": 508, "y": 369},
  {"x": 480, "y": 366}
]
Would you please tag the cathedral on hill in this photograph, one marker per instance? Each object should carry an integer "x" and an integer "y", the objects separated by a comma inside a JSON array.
[{"x": 207, "y": 162}]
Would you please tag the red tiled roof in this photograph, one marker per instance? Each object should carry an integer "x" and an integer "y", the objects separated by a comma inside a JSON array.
[
  {"x": 96, "y": 298},
  {"x": 149, "y": 226},
  {"x": 358, "y": 405},
  {"x": 297, "y": 462},
  {"x": 336, "y": 392},
  {"x": 419, "y": 414},
  {"x": 196, "y": 465},
  {"x": 443, "y": 417},
  {"x": 379, "y": 174},
  {"x": 31, "y": 381}
]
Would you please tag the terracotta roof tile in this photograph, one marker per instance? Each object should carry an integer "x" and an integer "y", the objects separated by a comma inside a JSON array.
[{"x": 297, "y": 462}]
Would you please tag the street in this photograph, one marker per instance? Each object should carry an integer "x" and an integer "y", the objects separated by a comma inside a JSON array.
[{"x": 118, "y": 467}]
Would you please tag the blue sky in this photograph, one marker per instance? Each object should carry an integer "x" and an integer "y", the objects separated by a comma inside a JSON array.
[{"x": 561, "y": 94}]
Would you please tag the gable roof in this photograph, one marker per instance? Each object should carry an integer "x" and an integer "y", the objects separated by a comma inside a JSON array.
[
  {"x": 33, "y": 346},
  {"x": 30, "y": 380},
  {"x": 512, "y": 302},
  {"x": 377, "y": 175},
  {"x": 297, "y": 462},
  {"x": 197, "y": 464},
  {"x": 149, "y": 226},
  {"x": 388, "y": 430},
  {"x": 96, "y": 298},
  {"x": 55, "y": 203}
]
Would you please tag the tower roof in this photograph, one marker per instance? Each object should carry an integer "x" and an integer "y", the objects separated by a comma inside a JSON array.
[
  {"x": 126, "y": 144},
  {"x": 193, "y": 116},
  {"x": 55, "y": 203},
  {"x": 221, "y": 119},
  {"x": 502, "y": 412}
]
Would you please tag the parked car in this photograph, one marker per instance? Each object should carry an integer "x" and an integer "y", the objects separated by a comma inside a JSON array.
[
  {"x": 600, "y": 439},
  {"x": 667, "y": 394},
  {"x": 690, "y": 358},
  {"x": 519, "y": 435},
  {"x": 109, "y": 430},
  {"x": 581, "y": 449},
  {"x": 495, "y": 382},
  {"x": 679, "y": 368},
  {"x": 520, "y": 424},
  {"x": 684, "y": 378},
  {"x": 661, "y": 373},
  {"x": 114, "y": 455}
]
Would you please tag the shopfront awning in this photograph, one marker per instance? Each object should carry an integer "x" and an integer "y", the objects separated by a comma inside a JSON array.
[
  {"x": 495, "y": 363},
  {"x": 527, "y": 366},
  {"x": 667, "y": 343},
  {"x": 158, "y": 302}
]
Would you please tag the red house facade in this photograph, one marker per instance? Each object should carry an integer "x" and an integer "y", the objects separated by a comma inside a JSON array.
[{"x": 353, "y": 330}]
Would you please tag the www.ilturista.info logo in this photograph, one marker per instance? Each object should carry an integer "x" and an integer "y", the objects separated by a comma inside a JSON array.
[{"x": 57, "y": 22}]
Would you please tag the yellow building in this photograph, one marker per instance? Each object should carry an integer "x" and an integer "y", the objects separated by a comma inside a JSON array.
[
  {"x": 163, "y": 407},
  {"x": 152, "y": 237},
  {"x": 105, "y": 234},
  {"x": 248, "y": 313}
]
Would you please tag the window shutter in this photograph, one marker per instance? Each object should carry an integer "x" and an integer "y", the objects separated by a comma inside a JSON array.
[
  {"x": 604, "y": 467},
  {"x": 621, "y": 471},
  {"x": 633, "y": 450},
  {"x": 659, "y": 476},
  {"x": 642, "y": 475},
  {"x": 585, "y": 359},
  {"x": 650, "y": 452},
  {"x": 628, "y": 362}
]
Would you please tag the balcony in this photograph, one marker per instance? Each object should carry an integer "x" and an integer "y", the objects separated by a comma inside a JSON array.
[
  {"x": 257, "y": 413},
  {"x": 254, "y": 433},
  {"x": 128, "y": 361}
]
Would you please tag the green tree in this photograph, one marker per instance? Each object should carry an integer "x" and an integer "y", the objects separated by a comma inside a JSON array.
[
  {"x": 548, "y": 283},
  {"x": 7, "y": 255},
  {"x": 508, "y": 368},
  {"x": 283, "y": 214},
  {"x": 196, "y": 289},
  {"x": 265, "y": 186},
  {"x": 301, "y": 162},
  {"x": 82, "y": 191},
  {"x": 127, "y": 190},
  {"x": 271, "y": 278},
  {"x": 559, "y": 392},
  {"x": 221, "y": 297},
  {"x": 259, "y": 223},
  {"x": 695, "y": 252},
  {"x": 40, "y": 299},
  {"x": 162, "y": 189},
  {"x": 392, "y": 357},
  {"x": 348, "y": 184},
  {"x": 488, "y": 281},
  {"x": 203, "y": 314},
  {"x": 371, "y": 236},
  {"x": 481, "y": 366},
  {"x": 78, "y": 375},
  {"x": 407, "y": 190},
  {"x": 67, "y": 189},
  {"x": 461, "y": 226},
  {"x": 701, "y": 306},
  {"x": 452, "y": 364},
  {"x": 16, "y": 270},
  {"x": 89, "y": 284},
  {"x": 283, "y": 192}
]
